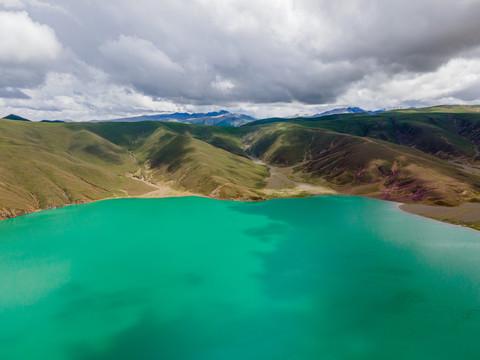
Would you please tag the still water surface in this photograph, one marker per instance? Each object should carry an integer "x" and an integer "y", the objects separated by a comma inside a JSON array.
[{"x": 191, "y": 278}]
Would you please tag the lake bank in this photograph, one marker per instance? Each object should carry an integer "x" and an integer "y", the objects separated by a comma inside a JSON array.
[{"x": 466, "y": 215}]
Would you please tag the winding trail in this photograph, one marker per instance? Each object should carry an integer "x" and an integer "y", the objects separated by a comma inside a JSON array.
[
  {"x": 163, "y": 190},
  {"x": 278, "y": 183},
  {"x": 466, "y": 167}
]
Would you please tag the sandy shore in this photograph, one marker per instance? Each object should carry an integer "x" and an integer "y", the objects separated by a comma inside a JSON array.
[{"x": 465, "y": 214}]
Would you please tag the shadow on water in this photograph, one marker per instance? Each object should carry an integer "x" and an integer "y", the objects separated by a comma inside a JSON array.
[
  {"x": 368, "y": 282},
  {"x": 255, "y": 338},
  {"x": 75, "y": 301},
  {"x": 148, "y": 339}
]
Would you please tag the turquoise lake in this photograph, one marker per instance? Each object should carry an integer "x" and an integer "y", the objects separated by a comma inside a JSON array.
[{"x": 199, "y": 279}]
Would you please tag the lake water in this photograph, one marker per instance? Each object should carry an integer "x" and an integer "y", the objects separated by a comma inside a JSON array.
[{"x": 199, "y": 279}]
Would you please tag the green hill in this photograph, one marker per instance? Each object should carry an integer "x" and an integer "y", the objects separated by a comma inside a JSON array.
[
  {"x": 364, "y": 166},
  {"x": 15, "y": 117},
  {"x": 425, "y": 156},
  {"x": 445, "y": 131}
]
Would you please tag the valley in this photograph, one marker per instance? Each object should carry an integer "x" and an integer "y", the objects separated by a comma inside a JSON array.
[{"x": 422, "y": 156}]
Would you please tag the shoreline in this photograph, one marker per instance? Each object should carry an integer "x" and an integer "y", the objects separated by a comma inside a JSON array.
[
  {"x": 431, "y": 212},
  {"x": 97, "y": 200},
  {"x": 466, "y": 215}
]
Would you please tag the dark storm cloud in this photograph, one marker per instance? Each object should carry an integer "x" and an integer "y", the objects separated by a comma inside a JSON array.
[
  {"x": 20, "y": 76},
  {"x": 401, "y": 35},
  {"x": 274, "y": 51},
  {"x": 263, "y": 51}
]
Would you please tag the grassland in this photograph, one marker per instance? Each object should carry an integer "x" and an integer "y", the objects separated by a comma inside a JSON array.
[{"x": 422, "y": 156}]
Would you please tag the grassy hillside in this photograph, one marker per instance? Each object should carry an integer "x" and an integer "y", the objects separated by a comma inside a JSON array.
[
  {"x": 444, "y": 131},
  {"x": 202, "y": 159},
  {"x": 422, "y": 156},
  {"x": 48, "y": 165},
  {"x": 212, "y": 166},
  {"x": 364, "y": 166}
]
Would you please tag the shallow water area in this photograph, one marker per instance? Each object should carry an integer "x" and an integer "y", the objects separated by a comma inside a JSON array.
[{"x": 329, "y": 277}]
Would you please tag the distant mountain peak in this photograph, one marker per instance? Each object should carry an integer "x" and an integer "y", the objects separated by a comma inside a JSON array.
[
  {"x": 348, "y": 110},
  {"x": 355, "y": 109},
  {"x": 344, "y": 110},
  {"x": 15, "y": 117},
  {"x": 216, "y": 113}
]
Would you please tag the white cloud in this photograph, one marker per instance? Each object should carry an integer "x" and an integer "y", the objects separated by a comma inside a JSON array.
[
  {"x": 85, "y": 96},
  {"x": 458, "y": 81},
  {"x": 25, "y": 41},
  {"x": 223, "y": 85},
  {"x": 12, "y": 4},
  {"x": 36, "y": 4}
]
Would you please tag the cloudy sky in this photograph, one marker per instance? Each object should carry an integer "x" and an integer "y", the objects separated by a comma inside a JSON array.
[{"x": 71, "y": 59}]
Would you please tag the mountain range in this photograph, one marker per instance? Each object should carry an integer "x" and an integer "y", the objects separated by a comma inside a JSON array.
[
  {"x": 337, "y": 111},
  {"x": 216, "y": 118},
  {"x": 420, "y": 156}
]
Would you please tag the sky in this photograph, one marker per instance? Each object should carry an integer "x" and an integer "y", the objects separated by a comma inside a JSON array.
[{"x": 81, "y": 60}]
